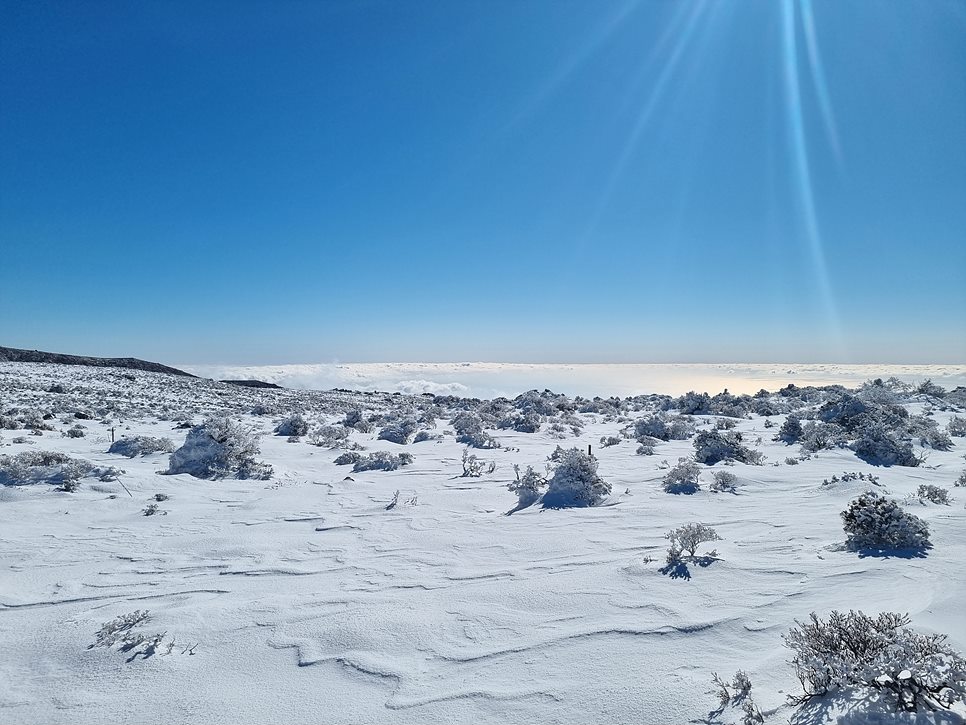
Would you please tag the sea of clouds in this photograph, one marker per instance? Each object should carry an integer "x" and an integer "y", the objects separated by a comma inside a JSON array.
[{"x": 489, "y": 380}]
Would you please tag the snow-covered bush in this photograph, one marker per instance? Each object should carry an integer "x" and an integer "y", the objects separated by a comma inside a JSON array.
[
  {"x": 646, "y": 448},
  {"x": 329, "y": 436},
  {"x": 664, "y": 426},
  {"x": 881, "y": 653},
  {"x": 527, "y": 486},
  {"x": 608, "y": 441},
  {"x": 686, "y": 539},
  {"x": 356, "y": 419},
  {"x": 574, "y": 482},
  {"x": 817, "y": 436},
  {"x": 713, "y": 446},
  {"x": 683, "y": 478},
  {"x": 294, "y": 425},
  {"x": 791, "y": 430},
  {"x": 961, "y": 481},
  {"x": 30, "y": 467},
  {"x": 425, "y": 435},
  {"x": 881, "y": 446},
  {"x": 141, "y": 446},
  {"x": 736, "y": 697},
  {"x": 469, "y": 431},
  {"x": 76, "y": 432},
  {"x": 874, "y": 522},
  {"x": 934, "y": 494},
  {"x": 956, "y": 426},
  {"x": 348, "y": 458},
  {"x": 382, "y": 461},
  {"x": 400, "y": 431},
  {"x": 522, "y": 422},
  {"x": 219, "y": 448},
  {"x": 724, "y": 482}
]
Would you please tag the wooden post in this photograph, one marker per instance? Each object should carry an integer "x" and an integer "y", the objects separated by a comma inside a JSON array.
[
  {"x": 112, "y": 434},
  {"x": 588, "y": 450}
]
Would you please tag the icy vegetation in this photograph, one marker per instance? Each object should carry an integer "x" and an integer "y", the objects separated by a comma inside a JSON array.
[{"x": 395, "y": 558}]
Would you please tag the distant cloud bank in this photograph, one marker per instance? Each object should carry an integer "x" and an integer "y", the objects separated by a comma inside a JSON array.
[{"x": 489, "y": 380}]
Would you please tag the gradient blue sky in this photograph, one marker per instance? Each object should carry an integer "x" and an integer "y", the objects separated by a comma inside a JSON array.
[{"x": 559, "y": 181}]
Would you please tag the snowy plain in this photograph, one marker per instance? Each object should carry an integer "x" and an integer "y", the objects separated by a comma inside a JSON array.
[{"x": 308, "y": 600}]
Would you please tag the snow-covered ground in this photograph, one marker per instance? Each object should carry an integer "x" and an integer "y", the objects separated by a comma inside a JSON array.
[{"x": 304, "y": 598}]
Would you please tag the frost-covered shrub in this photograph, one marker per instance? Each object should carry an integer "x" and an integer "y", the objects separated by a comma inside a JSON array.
[
  {"x": 961, "y": 481},
  {"x": 329, "y": 436},
  {"x": 880, "y": 446},
  {"x": 425, "y": 435},
  {"x": 713, "y": 446},
  {"x": 382, "y": 461},
  {"x": 683, "y": 478},
  {"x": 874, "y": 522},
  {"x": 400, "y": 431},
  {"x": 348, "y": 458},
  {"x": 817, "y": 436},
  {"x": 938, "y": 440},
  {"x": 956, "y": 426},
  {"x": 724, "y": 482},
  {"x": 527, "y": 486},
  {"x": 574, "y": 482},
  {"x": 664, "y": 426},
  {"x": 473, "y": 467},
  {"x": 736, "y": 697},
  {"x": 686, "y": 539},
  {"x": 522, "y": 422},
  {"x": 791, "y": 430},
  {"x": 881, "y": 653},
  {"x": 76, "y": 432},
  {"x": 934, "y": 494},
  {"x": 141, "y": 446},
  {"x": 928, "y": 387},
  {"x": 294, "y": 425},
  {"x": 692, "y": 403},
  {"x": 608, "y": 441},
  {"x": 219, "y": 448},
  {"x": 356, "y": 419},
  {"x": 30, "y": 467},
  {"x": 469, "y": 431},
  {"x": 645, "y": 449}
]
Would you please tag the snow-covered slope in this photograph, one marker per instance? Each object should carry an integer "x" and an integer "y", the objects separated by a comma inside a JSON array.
[{"x": 306, "y": 598}]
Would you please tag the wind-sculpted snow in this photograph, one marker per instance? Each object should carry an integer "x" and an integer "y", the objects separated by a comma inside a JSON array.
[{"x": 331, "y": 593}]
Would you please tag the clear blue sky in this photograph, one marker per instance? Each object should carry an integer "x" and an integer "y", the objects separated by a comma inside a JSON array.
[{"x": 558, "y": 181}]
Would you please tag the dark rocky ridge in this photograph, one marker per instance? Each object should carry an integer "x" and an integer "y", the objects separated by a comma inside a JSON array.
[{"x": 12, "y": 354}]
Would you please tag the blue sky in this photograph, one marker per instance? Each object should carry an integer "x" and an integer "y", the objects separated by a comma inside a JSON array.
[{"x": 559, "y": 181}]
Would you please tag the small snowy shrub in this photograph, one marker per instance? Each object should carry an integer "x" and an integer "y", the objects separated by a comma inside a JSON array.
[
  {"x": 956, "y": 427},
  {"x": 880, "y": 653},
  {"x": 736, "y": 696},
  {"x": 219, "y": 448},
  {"x": 469, "y": 431},
  {"x": 687, "y": 538},
  {"x": 527, "y": 486},
  {"x": 645, "y": 449},
  {"x": 961, "y": 481},
  {"x": 574, "y": 482},
  {"x": 76, "y": 432},
  {"x": 425, "y": 435},
  {"x": 664, "y": 426},
  {"x": 119, "y": 629},
  {"x": 791, "y": 430},
  {"x": 714, "y": 446},
  {"x": 724, "y": 482},
  {"x": 934, "y": 494},
  {"x": 31, "y": 467},
  {"x": 607, "y": 441},
  {"x": 400, "y": 431},
  {"x": 348, "y": 458},
  {"x": 817, "y": 436},
  {"x": 329, "y": 436},
  {"x": 880, "y": 446},
  {"x": 874, "y": 522},
  {"x": 683, "y": 478},
  {"x": 294, "y": 425},
  {"x": 141, "y": 446},
  {"x": 357, "y": 420},
  {"x": 382, "y": 461}
]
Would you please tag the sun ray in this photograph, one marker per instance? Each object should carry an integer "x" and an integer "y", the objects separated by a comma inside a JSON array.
[
  {"x": 802, "y": 178},
  {"x": 817, "y": 72}
]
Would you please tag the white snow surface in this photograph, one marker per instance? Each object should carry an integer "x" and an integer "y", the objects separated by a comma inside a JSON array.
[{"x": 309, "y": 601}]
